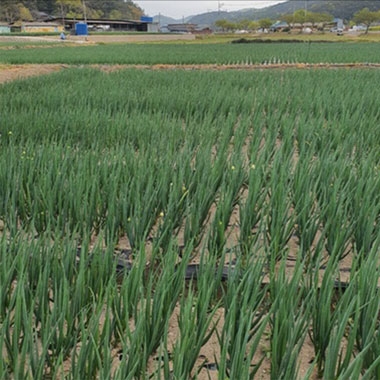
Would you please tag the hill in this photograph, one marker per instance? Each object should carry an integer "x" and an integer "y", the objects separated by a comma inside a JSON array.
[
  {"x": 165, "y": 20},
  {"x": 29, "y": 10},
  {"x": 344, "y": 9}
]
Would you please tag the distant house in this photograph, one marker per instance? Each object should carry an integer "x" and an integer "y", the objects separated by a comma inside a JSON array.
[
  {"x": 4, "y": 28},
  {"x": 144, "y": 25},
  {"x": 203, "y": 30},
  {"x": 188, "y": 28},
  {"x": 279, "y": 26},
  {"x": 41, "y": 16},
  {"x": 296, "y": 25},
  {"x": 41, "y": 27},
  {"x": 182, "y": 28},
  {"x": 337, "y": 23}
]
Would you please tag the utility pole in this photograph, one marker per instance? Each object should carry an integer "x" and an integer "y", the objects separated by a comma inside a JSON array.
[
  {"x": 84, "y": 12},
  {"x": 305, "y": 9},
  {"x": 63, "y": 16},
  {"x": 220, "y": 5}
]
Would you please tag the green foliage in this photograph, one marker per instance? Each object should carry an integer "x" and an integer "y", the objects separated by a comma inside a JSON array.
[
  {"x": 246, "y": 170},
  {"x": 14, "y": 11},
  {"x": 265, "y": 23},
  {"x": 225, "y": 25},
  {"x": 11, "y": 11},
  {"x": 302, "y": 16},
  {"x": 289, "y": 319},
  {"x": 366, "y": 17},
  {"x": 243, "y": 54}
]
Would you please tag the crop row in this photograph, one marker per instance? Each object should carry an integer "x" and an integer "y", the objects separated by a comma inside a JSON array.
[
  {"x": 250, "y": 168},
  {"x": 305, "y": 52}
]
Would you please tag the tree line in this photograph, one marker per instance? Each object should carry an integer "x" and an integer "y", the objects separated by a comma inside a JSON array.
[
  {"x": 29, "y": 10},
  {"x": 300, "y": 17}
]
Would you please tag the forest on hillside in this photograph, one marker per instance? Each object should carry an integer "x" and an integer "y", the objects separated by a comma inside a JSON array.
[
  {"x": 29, "y": 10},
  {"x": 344, "y": 9}
]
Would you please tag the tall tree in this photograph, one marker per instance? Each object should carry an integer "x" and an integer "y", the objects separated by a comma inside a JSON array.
[
  {"x": 366, "y": 17},
  {"x": 69, "y": 8},
  {"x": 126, "y": 9},
  {"x": 225, "y": 25},
  {"x": 265, "y": 23},
  {"x": 301, "y": 16},
  {"x": 115, "y": 9},
  {"x": 132, "y": 10},
  {"x": 14, "y": 11},
  {"x": 9, "y": 12},
  {"x": 24, "y": 13}
]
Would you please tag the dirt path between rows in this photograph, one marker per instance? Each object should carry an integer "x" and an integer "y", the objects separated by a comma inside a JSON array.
[
  {"x": 14, "y": 72},
  {"x": 102, "y": 38}
]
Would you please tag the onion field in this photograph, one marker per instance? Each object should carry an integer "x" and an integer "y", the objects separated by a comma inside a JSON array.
[
  {"x": 192, "y": 53},
  {"x": 190, "y": 224}
]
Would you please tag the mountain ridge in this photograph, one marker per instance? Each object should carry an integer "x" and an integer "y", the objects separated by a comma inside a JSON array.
[{"x": 344, "y": 9}]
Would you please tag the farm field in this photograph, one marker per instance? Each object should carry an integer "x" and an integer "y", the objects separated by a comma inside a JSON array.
[
  {"x": 191, "y": 53},
  {"x": 192, "y": 223}
]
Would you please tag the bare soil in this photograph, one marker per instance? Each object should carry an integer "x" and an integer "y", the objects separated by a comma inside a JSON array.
[
  {"x": 102, "y": 38},
  {"x": 121, "y": 38},
  {"x": 13, "y": 72}
]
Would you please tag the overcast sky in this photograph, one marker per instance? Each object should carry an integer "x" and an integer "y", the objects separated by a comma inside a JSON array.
[{"x": 183, "y": 8}]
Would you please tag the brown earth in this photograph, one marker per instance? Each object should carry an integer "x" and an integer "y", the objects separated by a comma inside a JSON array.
[
  {"x": 102, "y": 38},
  {"x": 13, "y": 72}
]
